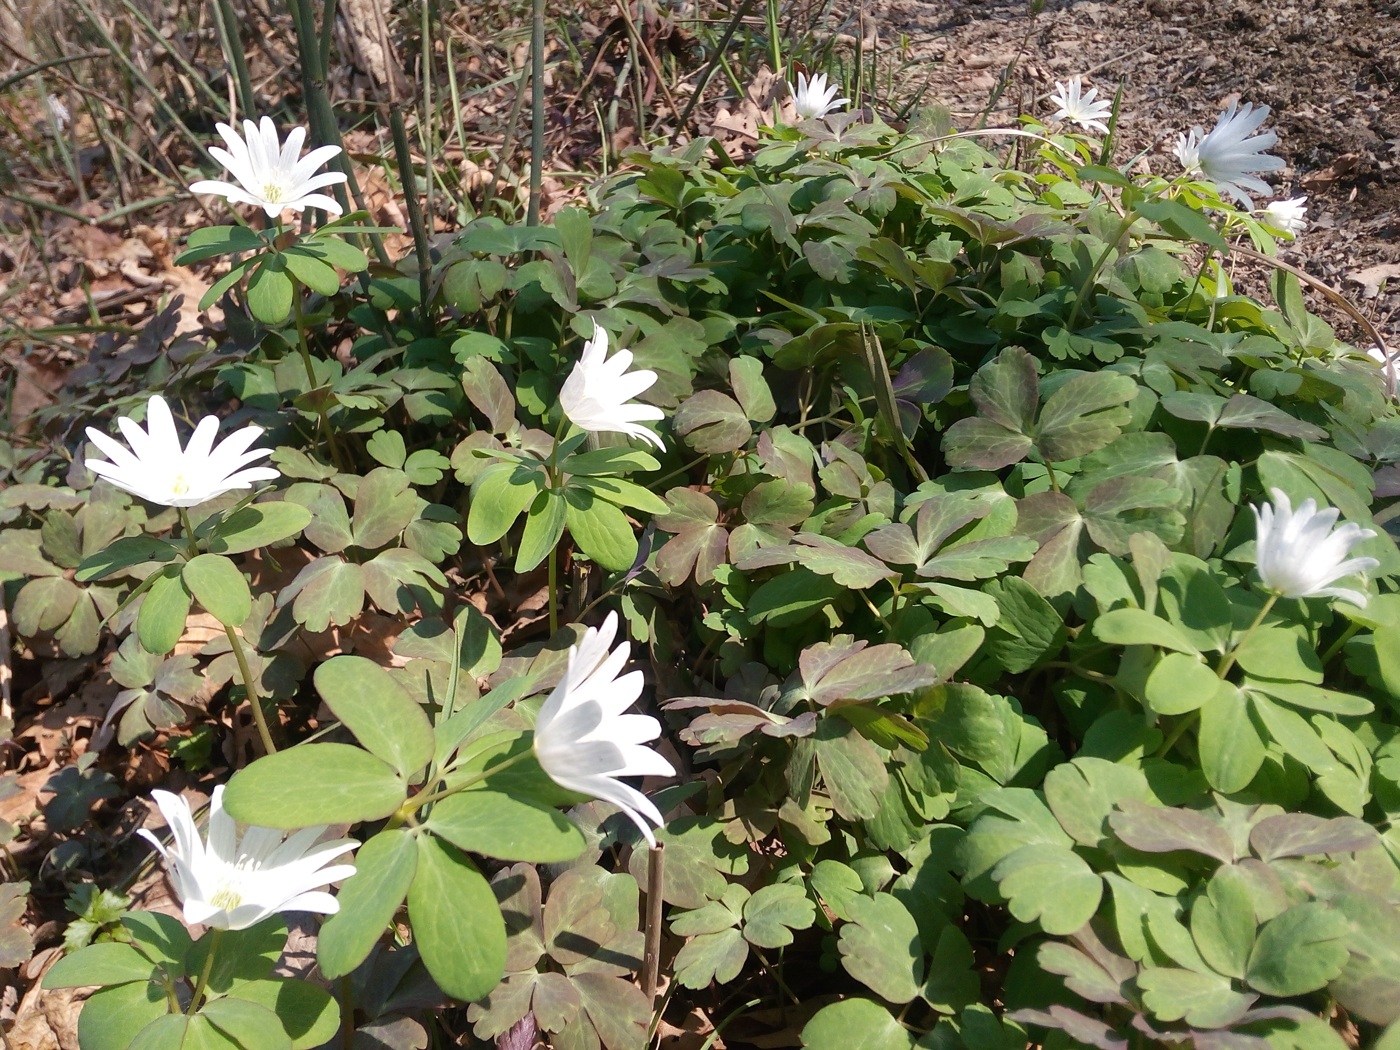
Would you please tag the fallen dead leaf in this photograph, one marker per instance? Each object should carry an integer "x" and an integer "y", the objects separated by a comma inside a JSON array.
[{"x": 1372, "y": 277}]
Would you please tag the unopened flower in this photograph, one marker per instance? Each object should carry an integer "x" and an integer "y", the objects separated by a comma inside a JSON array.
[
  {"x": 597, "y": 393},
  {"x": 1290, "y": 216},
  {"x": 268, "y": 173},
  {"x": 157, "y": 469},
  {"x": 1300, "y": 555},
  {"x": 813, "y": 98},
  {"x": 231, "y": 883},
  {"x": 1081, "y": 109},
  {"x": 1228, "y": 156},
  {"x": 585, "y": 742}
]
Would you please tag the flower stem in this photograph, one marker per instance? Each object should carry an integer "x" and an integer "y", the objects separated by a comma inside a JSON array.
[
  {"x": 1093, "y": 274},
  {"x": 1229, "y": 660},
  {"x": 214, "y": 937},
  {"x": 429, "y": 797},
  {"x": 553, "y": 590},
  {"x": 302, "y": 348},
  {"x": 1336, "y": 646},
  {"x": 254, "y": 701},
  {"x": 1226, "y": 662}
]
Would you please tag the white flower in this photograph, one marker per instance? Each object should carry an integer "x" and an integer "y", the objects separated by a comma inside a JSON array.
[
  {"x": 596, "y": 394},
  {"x": 1081, "y": 109},
  {"x": 1227, "y": 156},
  {"x": 1299, "y": 554},
  {"x": 268, "y": 173},
  {"x": 231, "y": 884},
  {"x": 585, "y": 742},
  {"x": 157, "y": 469},
  {"x": 1290, "y": 216},
  {"x": 813, "y": 98}
]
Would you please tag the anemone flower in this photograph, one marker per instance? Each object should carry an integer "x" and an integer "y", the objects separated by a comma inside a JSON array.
[
  {"x": 597, "y": 393},
  {"x": 1081, "y": 109},
  {"x": 268, "y": 173},
  {"x": 1290, "y": 216},
  {"x": 157, "y": 469},
  {"x": 1228, "y": 156},
  {"x": 584, "y": 741},
  {"x": 233, "y": 882},
  {"x": 1300, "y": 555},
  {"x": 813, "y": 98}
]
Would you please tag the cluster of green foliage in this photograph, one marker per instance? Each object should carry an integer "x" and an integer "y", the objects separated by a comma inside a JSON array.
[{"x": 945, "y": 578}]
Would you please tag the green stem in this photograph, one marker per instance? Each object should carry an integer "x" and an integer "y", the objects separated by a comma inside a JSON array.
[
  {"x": 553, "y": 590},
  {"x": 254, "y": 701},
  {"x": 1229, "y": 659},
  {"x": 214, "y": 936},
  {"x": 304, "y": 349},
  {"x": 1226, "y": 662},
  {"x": 1336, "y": 646},
  {"x": 429, "y": 797},
  {"x": 1093, "y": 274}
]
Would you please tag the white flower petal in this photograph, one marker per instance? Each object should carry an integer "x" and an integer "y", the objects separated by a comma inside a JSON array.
[{"x": 1300, "y": 554}]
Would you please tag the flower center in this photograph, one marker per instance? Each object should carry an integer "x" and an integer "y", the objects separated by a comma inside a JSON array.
[
  {"x": 227, "y": 899},
  {"x": 179, "y": 486},
  {"x": 274, "y": 190}
]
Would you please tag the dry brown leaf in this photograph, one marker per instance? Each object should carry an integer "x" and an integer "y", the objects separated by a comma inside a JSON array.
[{"x": 1372, "y": 277}]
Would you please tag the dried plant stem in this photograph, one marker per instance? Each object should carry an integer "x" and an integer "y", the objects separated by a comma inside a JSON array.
[
  {"x": 651, "y": 951},
  {"x": 29, "y": 71},
  {"x": 404, "y": 157},
  {"x": 532, "y": 217},
  {"x": 234, "y": 43},
  {"x": 714, "y": 63}
]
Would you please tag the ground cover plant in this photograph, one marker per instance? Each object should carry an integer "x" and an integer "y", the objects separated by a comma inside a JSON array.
[{"x": 999, "y": 607}]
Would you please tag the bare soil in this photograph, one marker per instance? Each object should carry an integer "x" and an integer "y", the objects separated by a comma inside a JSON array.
[{"x": 1329, "y": 69}]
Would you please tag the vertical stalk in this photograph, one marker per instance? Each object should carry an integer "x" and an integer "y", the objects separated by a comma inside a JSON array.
[
  {"x": 250, "y": 687},
  {"x": 215, "y": 935},
  {"x": 404, "y": 157},
  {"x": 304, "y": 350},
  {"x": 651, "y": 952},
  {"x": 536, "y": 110},
  {"x": 239, "y": 59}
]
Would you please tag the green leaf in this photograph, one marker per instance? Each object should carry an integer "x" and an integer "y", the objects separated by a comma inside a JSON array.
[
  {"x": 384, "y": 718},
  {"x": 746, "y": 379},
  {"x": 388, "y": 449},
  {"x": 384, "y": 869},
  {"x": 1178, "y": 684},
  {"x": 712, "y": 423},
  {"x": 107, "y": 962},
  {"x": 247, "y": 1023},
  {"x": 1204, "y": 1000},
  {"x": 248, "y": 954},
  {"x": 1051, "y": 885},
  {"x": 1277, "y": 652},
  {"x": 499, "y": 496},
  {"x": 851, "y": 768},
  {"x": 544, "y": 528},
  {"x": 258, "y": 525},
  {"x": 123, "y": 554},
  {"x": 1006, "y": 393},
  {"x": 498, "y": 825},
  {"x": 307, "y": 1013},
  {"x": 327, "y": 591},
  {"x": 457, "y": 923},
  {"x": 1299, "y": 951},
  {"x": 113, "y": 1016},
  {"x": 314, "y": 784},
  {"x": 624, "y": 493},
  {"x": 952, "y": 982},
  {"x": 311, "y": 271},
  {"x": 709, "y": 957},
  {"x": 336, "y": 251},
  {"x": 164, "y": 610},
  {"x": 1084, "y": 414},
  {"x": 218, "y": 586},
  {"x": 601, "y": 530},
  {"x": 880, "y": 947},
  {"x": 1083, "y": 793},
  {"x": 855, "y": 1024},
  {"x": 773, "y": 912},
  {"x": 1139, "y": 627},
  {"x": 270, "y": 290},
  {"x": 1231, "y": 748},
  {"x": 384, "y": 505},
  {"x": 1222, "y": 921}
]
